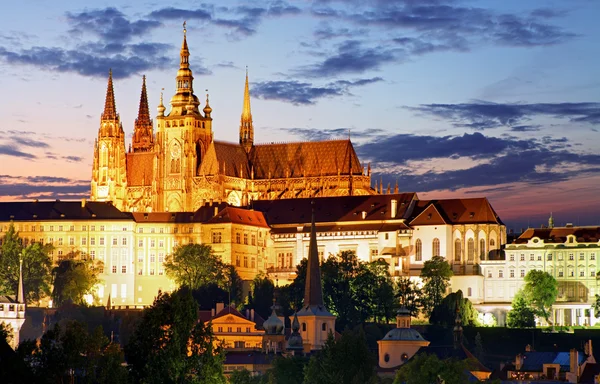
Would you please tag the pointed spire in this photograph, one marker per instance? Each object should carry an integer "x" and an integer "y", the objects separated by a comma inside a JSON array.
[
  {"x": 396, "y": 187},
  {"x": 20, "y": 294},
  {"x": 551, "y": 221},
  {"x": 313, "y": 292},
  {"x": 185, "y": 52},
  {"x": 143, "y": 137},
  {"x": 246, "y": 126},
  {"x": 143, "y": 111},
  {"x": 110, "y": 110}
]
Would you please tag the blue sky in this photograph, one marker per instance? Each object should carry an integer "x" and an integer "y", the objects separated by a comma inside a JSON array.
[{"x": 449, "y": 97}]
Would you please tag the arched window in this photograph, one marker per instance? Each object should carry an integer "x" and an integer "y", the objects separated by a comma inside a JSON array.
[
  {"x": 457, "y": 250},
  {"x": 418, "y": 250},
  {"x": 492, "y": 244},
  {"x": 482, "y": 249},
  {"x": 435, "y": 247},
  {"x": 470, "y": 250}
]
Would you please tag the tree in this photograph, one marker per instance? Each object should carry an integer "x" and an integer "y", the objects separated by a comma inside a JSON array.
[
  {"x": 596, "y": 306},
  {"x": 36, "y": 266},
  {"x": 445, "y": 312},
  {"x": 408, "y": 294},
  {"x": 428, "y": 369},
  {"x": 373, "y": 291},
  {"x": 170, "y": 345},
  {"x": 286, "y": 370},
  {"x": 73, "y": 280},
  {"x": 540, "y": 291},
  {"x": 479, "y": 348},
  {"x": 233, "y": 283},
  {"x": 243, "y": 376},
  {"x": 261, "y": 296},
  {"x": 194, "y": 266},
  {"x": 436, "y": 274},
  {"x": 346, "y": 361},
  {"x": 521, "y": 315}
]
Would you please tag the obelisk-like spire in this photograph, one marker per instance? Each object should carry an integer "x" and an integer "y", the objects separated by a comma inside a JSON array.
[
  {"x": 246, "y": 126},
  {"x": 143, "y": 137},
  {"x": 110, "y": 110},
  {"x": 20, "y": 293},
  {"x": 313, "y": 292}
]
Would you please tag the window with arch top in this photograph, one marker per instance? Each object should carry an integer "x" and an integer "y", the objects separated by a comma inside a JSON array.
[
  {"x": 418, "y": 250},
  {"x": 470, "y": 250},
  {"x": 435, "y": 251},
  {"x": 482, "y": 249},
  {"x": 457, "y": 250}
]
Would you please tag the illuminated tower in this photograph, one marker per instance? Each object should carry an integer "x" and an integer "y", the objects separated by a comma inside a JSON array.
[
  {"x": 182, "y": 138},
  {"x": 109, "y": 175},
  {"x": 143, "y": 137},
  {"x": 246, "y": 128}
]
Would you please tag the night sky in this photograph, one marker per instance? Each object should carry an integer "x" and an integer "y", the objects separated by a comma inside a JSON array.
[{"x": 450, "y": 98}]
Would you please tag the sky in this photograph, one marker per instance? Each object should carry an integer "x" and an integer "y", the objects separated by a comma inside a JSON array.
[{"x": 450, "y": 98}]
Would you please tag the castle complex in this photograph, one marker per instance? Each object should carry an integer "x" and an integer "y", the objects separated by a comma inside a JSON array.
[{"x": 180, "y": 166}]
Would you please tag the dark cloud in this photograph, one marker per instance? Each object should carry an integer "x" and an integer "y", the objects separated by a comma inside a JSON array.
[
  {"x": 10, "y": 150},
  {"x": 170, "y": 13},
  {"x": 498, "y": 160},
  {"x": 302, "y": 93},
  {"x": 109, "y": 24},
  {"x": 73, "y": 159},
  {"x": 43, "y": 187},
  {"x": 29, "y": 142},
  {"x": 314, "y": 134},
  {"x": 351, "y": 57},
  {"x": 483, "y": 115}
]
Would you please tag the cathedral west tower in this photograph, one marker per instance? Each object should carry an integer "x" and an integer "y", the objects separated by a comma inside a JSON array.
[{"x": 109, "y": 174}]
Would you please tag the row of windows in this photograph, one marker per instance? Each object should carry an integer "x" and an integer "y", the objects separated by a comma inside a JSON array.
[
  {"x": 549, "y": 256},
  {"x": 435, "y": 249},
  {"x": 245, "y": 262},
  {"x": 230, "y": 329},
  {"x": 559, "y": 272},
  {"x": 63, "y": 228}
]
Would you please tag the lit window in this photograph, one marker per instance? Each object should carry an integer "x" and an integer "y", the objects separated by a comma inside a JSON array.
[
  {"x": 500, "y": 273},
  {"x": 102, "y": 228},
  {"x": 114, "y": 269},
  {"x": 512, "y": 257},
  {"x": 418, "y": 250},
  {"x": 115, "y": 241},
  {"x": 435, "y": 251},
  {"x": 522, "y": 273},
  {"x": 512, "y": 273},
  {"x": 124, "y": 241},
  {"x": 124, "y": 269}
]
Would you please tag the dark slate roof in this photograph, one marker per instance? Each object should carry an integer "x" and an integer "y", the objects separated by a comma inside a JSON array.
[
  {"x": 57, "y": 210},
  {"x": 202, "y": 215},
  {"x": 589, "y": 372},
  {"x": 534, "y": 361}
]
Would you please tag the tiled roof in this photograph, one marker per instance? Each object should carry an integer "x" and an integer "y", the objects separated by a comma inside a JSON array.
[
  {"x": 458, "y": 211},
  {"x": 239, "y": 216},
  {"x": 334, "y": 209},
  {"x": 559, "y": 234},
  {"x": 60, "y": 210},
  {"x": 377, "y": 226},
  {"x": 534, "y": 361},
  {"x": 228, "y": 310},
  {"x": 140, "y": 168},
  {"x": 202, "y": 215},
  {"x": 313, "y": 158},
  {"x": 230, "y": 158}
]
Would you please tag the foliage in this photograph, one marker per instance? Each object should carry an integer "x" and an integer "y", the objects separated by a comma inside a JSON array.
[
  {"x": 408, "y": 294},
  {"x": 36, "y": 266},
  {"x": 346, "y": 361},
  {"x": 209, "y": 295},
  {"x": 596, "y": 306},
  {"x": 73, "y": 280},
  {"x": 195, "y": 266},
  {"x": 427, "y": 369},
  {"x": 243, "y": 376},
  {"x": 521, "y": 315},
  {"x": 436, "y": 274},
  {"x": 70, "y": 353},
  {"x": 291, "y": 296},
  {"x": 171, "y": 346},
  {"x": 286, "y": 370},
  {"x": 479, "y": 351},
  {"x": 445, "y": 313},
  {"x": 6, "y": 332},
  {"x": 233, "y": 284},
  {"x": 261, "y": 296},
  {"x": 540, "y": 292}
]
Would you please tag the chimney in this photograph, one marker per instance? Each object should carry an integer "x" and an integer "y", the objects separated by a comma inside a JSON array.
[
  {"x": 220, "y": 307},
  {"x": 216, "y": 211},
  {"x": 590, "y": 351},
  {"x": 574, "y": 362},
  {"x": 83, "y": 202},
  {"x": 519, "y": 362},
  {"x": 251, "y": 314},
  {"x": 394, "y": 208},
  {"x": 212, "y": 312},
  {"x": 364, "y": 214}
]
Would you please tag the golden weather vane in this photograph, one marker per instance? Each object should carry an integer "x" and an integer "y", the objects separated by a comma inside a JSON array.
[{"x": 184, "y": 28}]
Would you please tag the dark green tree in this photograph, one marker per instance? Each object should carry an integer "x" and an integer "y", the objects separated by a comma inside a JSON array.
[
  {"x": 286, "y": 370},
  {"x": 171, "y": 346},
  {"x": 596, "y": 306},
  {"x": 436, "y": 274},
  {"x": 428, "y": 369},
  {"x": 233, "y": 285},
  {"x": 261, "y": 297},
  {"x": 337, "y": 275},
  {"x": 36, "y": 266},
  {"x": 479, "y": 351},
  {"x": 346, "y": 361},
  {"x": 194, "y": 266},
  {"x": 445, "y": 313},
  {"x": 243, "y": 376},
  {"x": 521, "y": 315},
  {"x": 373, "y": 291},
  {"x": 540, "y": 291},
  {"x": 408, "y": 294},
  {"x": 73, "y": 280}
]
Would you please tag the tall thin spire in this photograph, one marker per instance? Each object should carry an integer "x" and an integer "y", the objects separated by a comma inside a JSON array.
[
  {"x": 185, "y": 52},
  {"x": 110, "y": 110},
  {"x": 144, "y": 111},
  {"x": 20, "y": 294},
  {"x": 313, "y": 292},
  {"x": 246, "y": 127},
  {"x": 143, "y": 137}
]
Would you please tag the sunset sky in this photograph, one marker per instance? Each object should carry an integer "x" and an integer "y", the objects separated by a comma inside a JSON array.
[{"x": 451, "y": 98}]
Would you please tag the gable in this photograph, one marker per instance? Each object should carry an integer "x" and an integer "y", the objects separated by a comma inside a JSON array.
[{"x": 429, "y": 216}]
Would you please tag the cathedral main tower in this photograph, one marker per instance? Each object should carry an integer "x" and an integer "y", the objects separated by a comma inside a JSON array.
[
  {"x": 182, "y": 139},
  {"x": 109, "y": 174}
]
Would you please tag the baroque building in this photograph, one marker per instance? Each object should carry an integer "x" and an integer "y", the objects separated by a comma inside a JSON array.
[{"x": 180, "y": 166}]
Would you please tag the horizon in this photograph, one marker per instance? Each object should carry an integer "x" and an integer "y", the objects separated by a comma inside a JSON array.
[{"x": 450, "y": 98}]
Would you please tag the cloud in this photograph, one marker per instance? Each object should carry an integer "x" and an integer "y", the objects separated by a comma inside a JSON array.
[
  {"x": 29, "y": 142},
  {"x": 314, "y": 134},
  {"x": 109, "y": 24},
  {"x": 303, "y": 93},
  {"x": 351, "y": 57},
  {"x": 484, "y": 115},
  {"x": 30, "y": 187},
  {"x": 73, "y": 159},
  {"x": 10, "y": 150}
]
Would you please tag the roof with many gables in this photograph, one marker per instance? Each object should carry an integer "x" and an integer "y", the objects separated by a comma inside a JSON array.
[{"x": 560, "y": 234}]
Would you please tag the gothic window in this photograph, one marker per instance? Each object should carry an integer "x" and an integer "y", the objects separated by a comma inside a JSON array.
[
  {"x": 470, "y": 250},
  {"x": 280, "y": 260},
  {"x": 435, "y": 247},
  {"x": 290, "y": 260},
  {"x": 482, "y": 249},
  {"x": 173, "y": 166},
  {"x": 418, "y": 250},
  {"x": 492, "y": 244},
  {"x": 457, "y": 250}
]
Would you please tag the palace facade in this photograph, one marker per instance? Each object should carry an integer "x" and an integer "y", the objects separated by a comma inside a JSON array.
[{"x": 180, "y": 166}]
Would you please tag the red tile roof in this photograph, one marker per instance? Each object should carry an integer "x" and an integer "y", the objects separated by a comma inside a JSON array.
[
  {"x": 239, "y": 216},
  {"x": 559, "y": 234},
  {"x": 457, "y": 211},
  {"x": 225, "y": 158},
  {"x": 140, "y": 168}
]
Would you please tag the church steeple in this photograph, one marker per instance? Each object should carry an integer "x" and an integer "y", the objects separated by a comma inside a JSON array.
[
  {"x": 110, "y": 110},
  {"x": 185, "y": 82},
  {"x": 313, "y": 292},
  {"x": 143, "y": 137},
  {"x": 246, "y": 127},
  {"x": 20, "y": 293}
]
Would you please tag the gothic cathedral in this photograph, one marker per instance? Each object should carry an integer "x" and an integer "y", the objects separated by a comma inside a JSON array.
[{"x": 181, "y": 166}]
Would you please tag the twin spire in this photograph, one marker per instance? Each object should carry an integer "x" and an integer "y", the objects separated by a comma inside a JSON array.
[
  {"x": 110, "y": 110},
  {"x": 246, "y": 127},
  {"x": 143, "y": 137}
]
